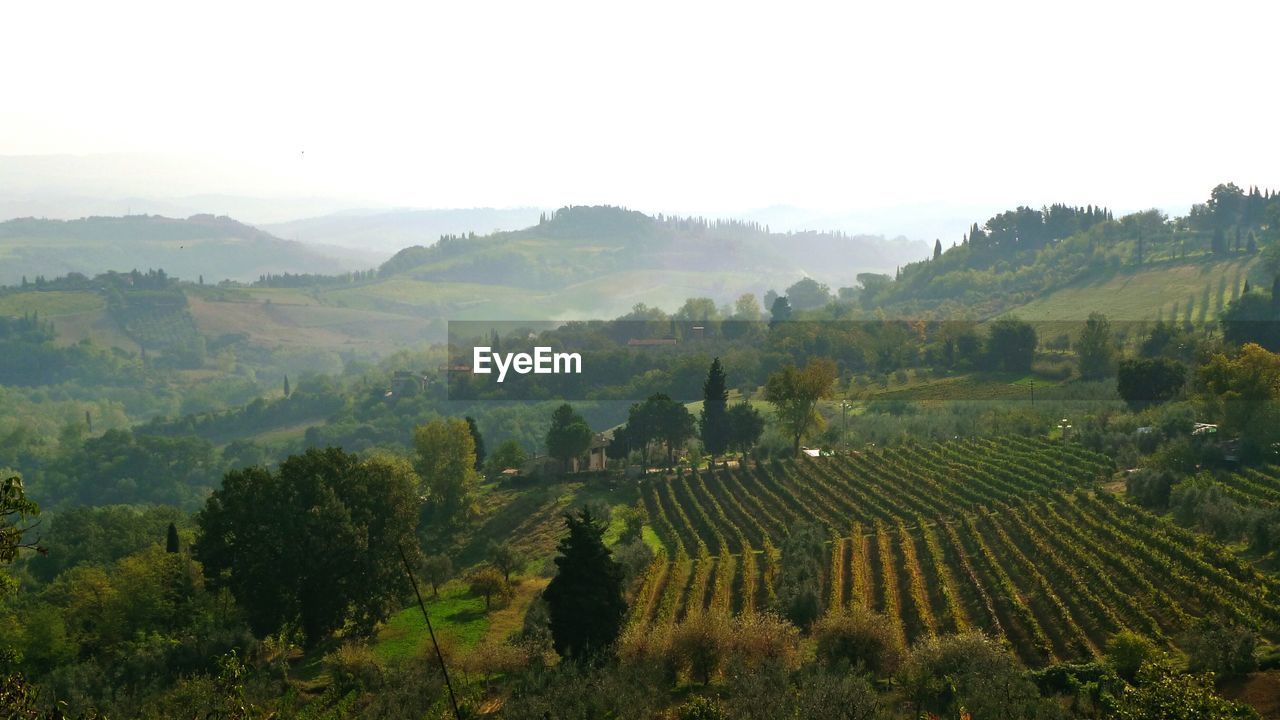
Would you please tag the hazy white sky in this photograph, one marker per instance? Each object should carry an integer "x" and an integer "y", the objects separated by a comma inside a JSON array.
[{"x": 659, "y": 105}]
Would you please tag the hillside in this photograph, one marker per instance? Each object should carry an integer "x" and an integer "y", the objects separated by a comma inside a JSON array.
[
  {"x": 387, "y": 232},
  {"x": 215, "y": 248}
]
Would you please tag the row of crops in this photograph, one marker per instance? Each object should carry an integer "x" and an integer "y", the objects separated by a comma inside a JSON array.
[
  {"x": 155, "y": 319},
  {"x": 1004, "y": 536}
]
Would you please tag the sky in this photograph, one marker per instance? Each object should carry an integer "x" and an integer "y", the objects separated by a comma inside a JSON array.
[{"x": 708, "y": 107}]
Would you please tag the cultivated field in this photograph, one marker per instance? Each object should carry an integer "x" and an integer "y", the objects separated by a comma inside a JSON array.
[{"x": 1008, "y": 536}]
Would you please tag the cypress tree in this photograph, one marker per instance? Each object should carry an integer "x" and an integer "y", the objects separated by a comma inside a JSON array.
[
  {"x": 714, "y": 418},
  {"x": 584, "y": 599},
  {"x": 937, "y": 249},
  {"x": 286, "y": 385},
  {"x": 479, "y": 441},
  {"x": 172, "y": 545}
]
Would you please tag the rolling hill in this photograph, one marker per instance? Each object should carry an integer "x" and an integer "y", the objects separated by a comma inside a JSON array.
[{"x": 216, "y": 248}]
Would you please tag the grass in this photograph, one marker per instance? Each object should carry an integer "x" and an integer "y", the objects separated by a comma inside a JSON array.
[
  {"x": 459, "y": 619},
  {"x": 51, "y": 304},
  {"x": 1139, "y": 295}
]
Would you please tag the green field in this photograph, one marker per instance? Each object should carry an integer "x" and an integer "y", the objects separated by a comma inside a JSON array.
[
  {"x": 50, "y": 304},
  {"x": 1143, "y": 295}
]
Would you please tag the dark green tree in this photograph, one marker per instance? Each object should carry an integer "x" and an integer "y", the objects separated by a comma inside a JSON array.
[
  {"x": 316, "y": 542},
  {"x": 479, "y": 441},
  {"x": 1011, "y": 345},
  {"x": 937, "y": 248},
  {"x": 172, "y": 544},
  {"x": 286, "y": 385},
  {"x": 1146, "y": 381},
  {"x": 1095, "y": 349},
  {"x": 779, "y": 311},
  {"x": 800, "y": 579},
  {"x": 585, "y": 599},
  {"x": 713, "y": 420},
  {"x": 569, "y": 435},
  {"x": 505, "y": 558},
  {"x": 437, "y": 569},
  {"x": 746, "y": 425}
]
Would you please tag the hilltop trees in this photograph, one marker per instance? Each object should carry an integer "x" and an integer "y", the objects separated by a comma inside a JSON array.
[
  {"x": 316, "y": 542},
  {"x": 584, "y": 599},
  {"x": 794, "y": 394},
  {"x": 569, "y": 435},
  {"x": 445, "y": 458},
  {"x": 714, "y": 426}
]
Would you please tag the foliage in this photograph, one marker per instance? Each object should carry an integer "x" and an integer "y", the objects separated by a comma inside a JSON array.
[
  {"x": 488, "y": 582},
  {"x": 746, "y": 425},
  {"x": 969, "y": 673},
  {"x": 1011, "y": 345},
  {"x": 713, "y": 422},
  {"x": 1128, "y": 651},
  {"x": 569, "y": 435},
  {"x": 799, "y": 584},
  {"x": 1246, "y": 393},
  {"x": 316, "y": 542},
  {"x": 437, "y": 569},
  {"x": 1145, "y": 381},
  {"x": 584, "y": 599},
  {"x": 860, "y": 640},
  {"x": 445, "y": 460},
  {"x": 1095, "y": 349},
  {"x": 794, "y": 394}
]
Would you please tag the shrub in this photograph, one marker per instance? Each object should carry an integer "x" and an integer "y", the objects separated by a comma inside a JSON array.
[
  {"x": 858, "y": 639},
  {"x": 354, "y": 668},
  {"x": 1127, "y": 651}
]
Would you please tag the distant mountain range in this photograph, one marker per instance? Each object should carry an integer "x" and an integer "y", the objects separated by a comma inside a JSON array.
[
  {"x": 385, "y": 232},
  {"x": 216, "y": 248}
]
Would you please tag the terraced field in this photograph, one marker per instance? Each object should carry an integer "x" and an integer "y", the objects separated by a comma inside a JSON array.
[{"x": 1006, "y": 536}]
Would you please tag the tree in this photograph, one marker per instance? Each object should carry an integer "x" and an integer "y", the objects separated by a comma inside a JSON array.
[
  {"x": 569, "y": 435},
  {"x": 316, "y": 542},
  {"x": 746, "y": 425},
  {"x": 633, "y": 519},
  {"x": 1145, "y": 381},
  {"x": 858, "y": 639},
  {"x": 795, "y": 393},
  {"x": 807, "y": 294},
  {"x": 437, "y": 569},
  {"x": 444, "y": 456},
  {"x": 477, "y": 440},
  {"x": 15, "y": 509},
  {"x": 286, "y": 386},
  {"x": 487, "y": 582},
  {"x": 714, "y": 418},
  {"x": 584, "y": 599},
  {"x": 747, "y": 308},
  {"x": 508, "y": 454},
  {"x": 1095, "y": 349},
  {"x": 937, "y": 249},
  {"x": 659, "y": 419},
  {"x": 505, "y": 558},
  {"x": 800, "y": 579},
  {"x": 172, "y": 544},
  {"x": 971, "y": 672},
  {"x": 1011, "y": 345},
  {"x": 1246, "y": 393},
  {"x": 779, "y": 311},
  {"x": 1127, "y": 652}
]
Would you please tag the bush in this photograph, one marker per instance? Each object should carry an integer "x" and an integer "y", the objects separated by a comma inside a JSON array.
[
  {"x": 353, "y": 667},
  {"x": 701, "y": 708},
  {"x": 1225, "y": 650},
  {"x": 1127, "y": 651},
  {"x": 858, "y": 639}
]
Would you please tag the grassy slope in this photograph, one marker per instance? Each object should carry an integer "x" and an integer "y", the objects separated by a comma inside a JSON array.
[{"x": 1143, "y": 295}]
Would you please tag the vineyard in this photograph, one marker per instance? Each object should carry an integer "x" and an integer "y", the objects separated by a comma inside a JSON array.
[{"x": 1004, "y": 536}]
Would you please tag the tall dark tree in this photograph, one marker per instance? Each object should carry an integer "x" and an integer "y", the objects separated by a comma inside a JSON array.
[
  {"x": 172, "y": 544},
  {"x": 569, "y": 435},
  {"x": 780, "y": 310},
  {"x": 1146, "y": 381},
  {"x": 479, "y": 441},
  {"x": 714, "y": 418},
  {"x": 1095, "y": 349},
  {"x": 584, "y": 599},
  {"x": 286, "y": 386},
  {"x": 937, "y": 248},
  {"x": 316, "y": 542}
]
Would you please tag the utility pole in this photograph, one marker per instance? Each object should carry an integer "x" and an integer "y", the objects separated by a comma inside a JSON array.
[{"x": 439, "y": 656}]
